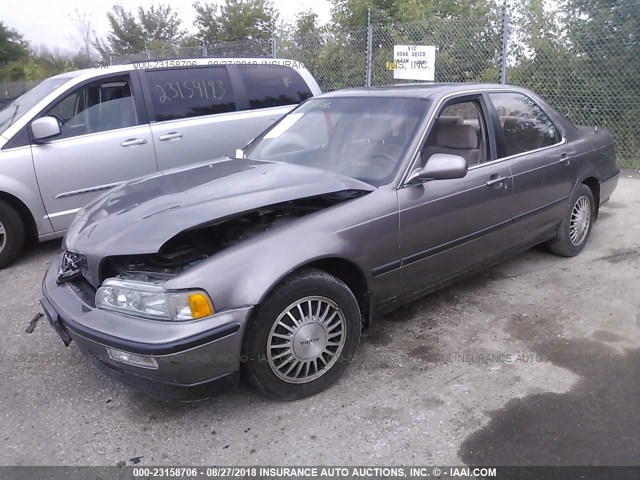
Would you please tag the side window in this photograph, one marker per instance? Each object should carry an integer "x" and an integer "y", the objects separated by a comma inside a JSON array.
[
  {"x": 273, "y": 85},
  {"x": 459, "y": 130},
  {"x": 524, "y": 124},
  {"x": 96, "y": 107},
  {"x": 66, "y": 108},
  {"x": 189, "y": 92}
]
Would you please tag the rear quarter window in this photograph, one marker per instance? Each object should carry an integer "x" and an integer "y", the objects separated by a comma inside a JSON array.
[
  {"x": 273, "y": 85},
  {"x": 189, "y": 92},
  {"x": 525, "y": 125}
]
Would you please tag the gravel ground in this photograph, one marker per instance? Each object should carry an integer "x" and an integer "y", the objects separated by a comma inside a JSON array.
[{"x": 535, "y": 361}]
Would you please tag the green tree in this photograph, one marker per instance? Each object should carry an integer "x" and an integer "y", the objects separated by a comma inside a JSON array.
[
  {"x": 604, "y": 38},
  {"x": 234, "y": 20},
  {"x": 161, "y": 26},
  {"x": 12, "y": 45},
  {"x": 154, "y": 28},
  {"x": 353, "y": 13},
  {"x": 304, "y": 40}
]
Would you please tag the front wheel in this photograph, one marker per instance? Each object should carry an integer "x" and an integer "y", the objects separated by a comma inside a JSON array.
[
  {"x": 12, "y": 234},
  {"x": 302, "y": 338},
  {"x": 575, "y": 228}
]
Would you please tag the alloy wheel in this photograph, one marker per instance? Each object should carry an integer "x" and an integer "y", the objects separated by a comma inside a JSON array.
[
  {"x": 306, "y": 339},
  {"x": 3, "y": 237},
  {"x": 580, "y": 221}
]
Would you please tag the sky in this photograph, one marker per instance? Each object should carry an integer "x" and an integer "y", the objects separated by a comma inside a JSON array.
[{"x": 50, "y": 22}]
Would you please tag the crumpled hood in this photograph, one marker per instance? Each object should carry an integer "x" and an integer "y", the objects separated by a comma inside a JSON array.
[{"x": 139, "y": 216}]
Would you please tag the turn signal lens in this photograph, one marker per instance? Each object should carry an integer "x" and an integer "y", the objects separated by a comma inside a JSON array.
[
  {"x": 189, "y": 305},
  {"x": 199, "y": 305}
]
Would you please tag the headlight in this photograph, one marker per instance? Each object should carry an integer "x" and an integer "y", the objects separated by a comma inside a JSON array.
[{"x": 148, "y": 299}]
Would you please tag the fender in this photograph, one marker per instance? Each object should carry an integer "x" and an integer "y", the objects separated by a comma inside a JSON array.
[
  {"x": 29, "y": 196},
  {"x": 246, "y": 272}
]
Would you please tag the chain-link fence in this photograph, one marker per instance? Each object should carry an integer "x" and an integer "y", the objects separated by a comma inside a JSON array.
[
  {"x": 11, "y": 90},
  {"x": 587, "y": 64},
  {"x": 584, "y": 60}
]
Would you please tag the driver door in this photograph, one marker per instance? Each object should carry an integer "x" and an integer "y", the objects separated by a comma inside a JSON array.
[
  {"x": 104, "y": 140},
  {"x": 450, "y": 226}
]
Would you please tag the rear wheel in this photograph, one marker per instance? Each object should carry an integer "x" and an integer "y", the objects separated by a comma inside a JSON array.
[
  {"x": 575, "y": 228},
  {"x": 302, "y": 337},
  {"x": 12, "y": 234}
]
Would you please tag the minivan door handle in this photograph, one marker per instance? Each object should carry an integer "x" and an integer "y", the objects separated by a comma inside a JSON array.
[
  {"x": 170, "y": 136},
  {"x": 496, "y": 181},
  {"x": 130, "y": 142}
]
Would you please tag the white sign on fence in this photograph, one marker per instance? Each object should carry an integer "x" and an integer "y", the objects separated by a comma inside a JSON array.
[{"x": 414, "y": 62}]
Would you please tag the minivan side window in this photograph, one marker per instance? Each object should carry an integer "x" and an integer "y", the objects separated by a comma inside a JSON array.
[
  {"x": 273, "y": 85},
  {"x": 100, "y": 106},
  {"x": 189, "y": 92},
  {"x": 524, "y": 124}
]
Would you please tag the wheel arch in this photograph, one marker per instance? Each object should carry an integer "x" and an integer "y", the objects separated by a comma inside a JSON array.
[
  {"x": 344, "y": 270},
  {"x": 24, "y": 212},
  {"x": 594, "y": 185}
]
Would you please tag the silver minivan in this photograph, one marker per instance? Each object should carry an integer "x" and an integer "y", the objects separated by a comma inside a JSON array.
[{"x": 80, "y": 133}]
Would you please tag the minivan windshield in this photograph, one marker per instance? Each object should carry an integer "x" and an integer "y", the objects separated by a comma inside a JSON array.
[
  {"x": 360, "y": 137},
  {"x": 11, "y": 112}
]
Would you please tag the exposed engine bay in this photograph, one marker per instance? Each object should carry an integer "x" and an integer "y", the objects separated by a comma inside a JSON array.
[{"x": 190, "y": 247}]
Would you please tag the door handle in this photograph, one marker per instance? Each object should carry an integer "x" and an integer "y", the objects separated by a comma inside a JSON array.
[
  {"x": 170, "y": 136},
  {"x": 129, "y": 142},
  {"x": 496, "y": 182},
  {"x": 565, "y": 160}
]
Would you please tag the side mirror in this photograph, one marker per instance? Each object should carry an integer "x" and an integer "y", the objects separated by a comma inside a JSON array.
[
  {"x": 440, "y": 166},
  {"x": 239, "y": 153},
  {"x": 45, "y": 127}
]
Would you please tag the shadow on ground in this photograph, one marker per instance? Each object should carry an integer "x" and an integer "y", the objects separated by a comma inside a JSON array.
[{"x": 596, "y": 423}]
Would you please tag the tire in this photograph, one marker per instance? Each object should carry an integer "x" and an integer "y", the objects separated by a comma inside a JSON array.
[
  {"x": 328, "y": 297},
  {"x": 571, "y": 237},
  {"x": 12, "y": 234}
]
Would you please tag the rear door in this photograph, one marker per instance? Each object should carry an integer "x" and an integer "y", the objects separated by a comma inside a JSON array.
[
  {"x": 450, "y": 226},
  {"x": 271, "y": 91},
  {"x": 105, "y": 139},
  {"x": 541, "y": 162},
  {"x": 194, "y": 115}
]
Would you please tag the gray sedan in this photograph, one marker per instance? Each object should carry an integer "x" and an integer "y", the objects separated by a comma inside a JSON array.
[{"x": 271, "y": 264}]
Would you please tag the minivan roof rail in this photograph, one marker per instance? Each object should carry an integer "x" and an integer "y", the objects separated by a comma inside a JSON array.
[{"x": 157, "y": 59}]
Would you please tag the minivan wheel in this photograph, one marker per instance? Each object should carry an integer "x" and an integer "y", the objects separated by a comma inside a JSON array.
[
  {"x": 575, "y": 228},
  {"x": 12, "y": 234},
  {"x": 302, "y": 337}
]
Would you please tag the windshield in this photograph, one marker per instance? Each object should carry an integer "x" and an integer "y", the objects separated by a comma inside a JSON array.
[
  {"x": 361, "y": 137},
  {"x": 21, "y": 105}
]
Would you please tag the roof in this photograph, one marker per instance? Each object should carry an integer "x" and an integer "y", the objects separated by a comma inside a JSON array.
[
  {"x": 152, "y": 63},
  {"x": 415, "y": 90}
]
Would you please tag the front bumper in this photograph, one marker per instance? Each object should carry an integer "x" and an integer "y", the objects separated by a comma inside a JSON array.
[{"x": 195, "y": 359}]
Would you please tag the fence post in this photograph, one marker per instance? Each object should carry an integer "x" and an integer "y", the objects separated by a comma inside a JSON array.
[
  {"x": 204, "y": 47},
  {"x": 504, "y": 44},
  {"x": 274, "y": 51},
  {"x": 369, "y": 52}
]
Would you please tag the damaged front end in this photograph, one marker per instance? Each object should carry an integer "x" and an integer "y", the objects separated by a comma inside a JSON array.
[
  {"x": 134, "y": 284},
  {"x": 190, "y": 247}
]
